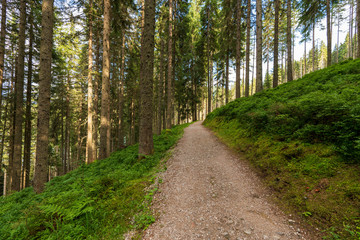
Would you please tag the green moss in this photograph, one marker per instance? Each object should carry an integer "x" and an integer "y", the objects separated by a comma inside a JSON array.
[
  {"x": 304, "y": 139},
  {"x": 102, "y": 200}
]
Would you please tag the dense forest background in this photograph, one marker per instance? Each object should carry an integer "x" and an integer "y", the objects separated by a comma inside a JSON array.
[{"x": 81, "y": 79}]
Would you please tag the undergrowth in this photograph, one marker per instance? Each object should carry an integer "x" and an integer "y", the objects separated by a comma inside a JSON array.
[
  {"x": 304, "y": 138},
  {"x": 102, "y": 200}
]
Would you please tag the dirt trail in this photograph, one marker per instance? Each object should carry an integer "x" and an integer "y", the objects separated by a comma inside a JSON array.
[{"x": 209, "y": 193}]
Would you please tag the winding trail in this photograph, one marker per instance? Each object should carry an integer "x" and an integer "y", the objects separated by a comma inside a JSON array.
[{"x": 210, "y": 193}]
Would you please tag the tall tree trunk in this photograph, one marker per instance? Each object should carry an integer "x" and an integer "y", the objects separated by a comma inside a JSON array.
[
  {"x": 259, "y": 84},
  {"x": 276, "y": 45},
  {"x": 90, "y": 145},
  {"x": 105, "y": 90},
  {"x": 27, "y": 140},
  {"x": 209, "y": 99},
  {"x": 248, "y": 36},
  {"x": 160, "y": 85},
  {"x": 42, "y": 141},
  {"x": 146, "y": 146},
  {"x": 288, "y": 43},
  {"x": 19, "y": 95},
  {"x": 358, "y": 27},
  {"x": 238, "y": 47},
  {"x": 96, "y": 91},
  {"x": 328, "y": 24},
  {"x": 3, "y": 145},
  {"x": 313, "y": 53},
  {"x": 350, "y": 28},
  {"x": 227, "y": 77},
  {"x": 338, "y": 38},
  {"x": 2, "y": 48},
  {"x": 170, "y": 66},
  {"x": 305, "y": 72},
  {"x": 121, "y": 93}
]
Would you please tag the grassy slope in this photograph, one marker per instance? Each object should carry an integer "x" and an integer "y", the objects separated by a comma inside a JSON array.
[
  {"x": 102, "y": 200},
  {"x": 304, "y": 139}
]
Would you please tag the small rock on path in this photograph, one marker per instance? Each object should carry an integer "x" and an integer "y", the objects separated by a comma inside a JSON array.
[{"x": 209, "y": 193}]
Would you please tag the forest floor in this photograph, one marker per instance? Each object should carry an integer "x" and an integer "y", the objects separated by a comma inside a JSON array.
[{"x": 209, "y": 192}]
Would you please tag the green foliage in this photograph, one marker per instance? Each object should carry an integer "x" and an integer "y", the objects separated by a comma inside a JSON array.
[
  {"x": 303, "y": 137},
  {"x": 102, "y": 200}
]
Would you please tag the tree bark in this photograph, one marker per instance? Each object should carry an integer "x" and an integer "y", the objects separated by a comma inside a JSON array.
[
  {"x": 248, "y": 36},
  {"x": 146, "y": 146},
  {"x": 259, "y": 84},
  {"x": 238, "y": 47},
  {"x": 227, "y": 77},
  {"x": 91, "y": 152},
  {"x": 42, "y": 142},
  {"x": 313, "y": 53},
  {"x": 358, "y": 27},
  {"x": 328, "y": 24},
  {"x": 105, "y": 90},
  {"x": 121, "y": 93},
  {"x": 27, "y": 140},
  {"x": 170, "y": 66},
  {"x": 288, "y": 43},
  {"x": 160, "y": 85},
  {"x": 276, "y": 45},
  {"x": 19, "y": 95},
  {"x": 2, "y": 48}
]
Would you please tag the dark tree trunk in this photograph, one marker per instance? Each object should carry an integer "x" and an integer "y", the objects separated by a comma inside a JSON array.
[
  {"x": 276, "y": 45},
  {"x": 121, "y": 94},
  {"x": 170, "y": 71},
  {"x": 2, "y": 49},
  {"x": 248, "y": 36},
  {"x": 41, "y": 166},
  {"x": 259, "y": 84},
  {"x": 105, "y": 90},
  {"x": 288, "y": 43},
  {"x": 19, "y": 95},
  {"x": 358, "y": 27},
  {"x": 238, "y": 47},
  {"x": 160, "y": 86},
  {"x": 146, "y": 146},
  {"x": 27, "y": 140},
  {"x": 227, "y": 77},
  {"x": 328, "y": 26}
]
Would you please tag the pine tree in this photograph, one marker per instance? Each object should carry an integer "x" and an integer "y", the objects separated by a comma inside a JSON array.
[
  {"x": 259, "y": 84},
  {"x": 41, "y": 167}
]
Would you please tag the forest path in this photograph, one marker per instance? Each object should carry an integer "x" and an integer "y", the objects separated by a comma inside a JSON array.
[{"x": 210, "y": 193}]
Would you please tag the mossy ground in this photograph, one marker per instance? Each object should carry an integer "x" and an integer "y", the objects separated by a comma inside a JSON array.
[
  {"x": 303, "y": 138},
  {"x": 102, "y": 200}
]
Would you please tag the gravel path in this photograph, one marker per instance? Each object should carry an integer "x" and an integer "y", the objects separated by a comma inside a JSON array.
[{"x": 210, "y": 193}]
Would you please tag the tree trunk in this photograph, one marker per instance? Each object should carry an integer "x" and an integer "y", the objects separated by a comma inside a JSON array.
[
  {"x": 313, "y": 53},
  {"x": 2, "y": 48},
  {"x": 121, "y": 93},
  {"x": 42, "y": 142},
  {"x": 90, "y": 146},
  {"x": 146, "y": 146},
  {"x": 227, "y": 77},
  {"x": 208, "y": 60},
  {"x": 305, "y": 72},
  {"x": 27, "y": 140},
  {"x": 248, "y": 36},
  {"x": 238, "y": 47},
  {"x": 105, "y": 89},
  {"x": 19, "y": 95},
  {"x": 96, "y": 92},
  {"x": 170, "y": 71},
  {"x": 160, "y": 85},
  {"x": 328, "y": 24},
  {"x": 288, "y": 43},
  {"x": 276, "y": 45},
  {"x": 358, "y": 27},
  {"x": 259, "y": 84}
]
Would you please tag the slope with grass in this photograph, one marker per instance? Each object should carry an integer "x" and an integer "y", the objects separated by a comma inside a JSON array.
[
  {"x": 303, "y": 137},
  {"x": 102, "y": 200}
]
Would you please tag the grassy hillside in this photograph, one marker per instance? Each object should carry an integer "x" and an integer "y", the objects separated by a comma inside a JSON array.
[
  {"x": 304, "y": 139},
  {"x": 102, "y": 200}
]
